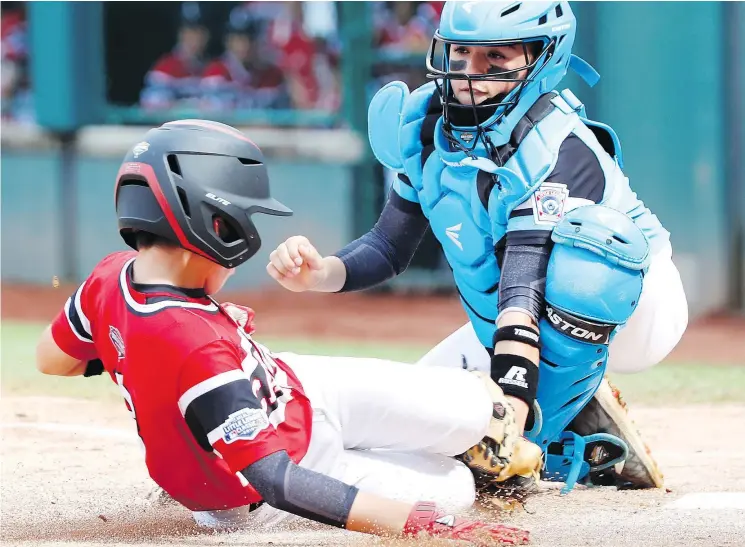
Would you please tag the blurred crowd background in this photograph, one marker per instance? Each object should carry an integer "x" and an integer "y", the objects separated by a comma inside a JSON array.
[
  {"x": 83, "y": 81},
  {"x": 16, "y": 91},
  {"x": 218, "y": 56}
]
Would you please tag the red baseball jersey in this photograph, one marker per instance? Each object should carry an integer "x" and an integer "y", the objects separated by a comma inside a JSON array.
[{"x": 207, "y": 399}]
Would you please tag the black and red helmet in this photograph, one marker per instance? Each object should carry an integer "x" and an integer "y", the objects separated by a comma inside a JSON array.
[{"x": 196, "y": 183}]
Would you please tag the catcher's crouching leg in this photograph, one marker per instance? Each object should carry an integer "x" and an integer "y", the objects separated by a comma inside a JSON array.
[
  {"x": 504, "y": 464},
  {"x": 606, "y": 413},
  {"x": 593, "y": 285},
  {"x": 651, "y": 333}
]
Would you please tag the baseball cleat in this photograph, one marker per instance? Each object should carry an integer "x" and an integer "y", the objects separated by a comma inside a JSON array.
[{"x": 607, "y": 413}]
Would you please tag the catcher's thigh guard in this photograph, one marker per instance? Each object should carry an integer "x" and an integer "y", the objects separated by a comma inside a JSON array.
[{"x": 593, "y": 285}]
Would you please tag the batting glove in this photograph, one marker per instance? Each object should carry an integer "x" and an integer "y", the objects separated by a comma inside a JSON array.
[{"x": 426, "y": 519}]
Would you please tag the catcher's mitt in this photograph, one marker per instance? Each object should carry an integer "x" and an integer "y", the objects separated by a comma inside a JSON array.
[
  {"x": 519, "y": 478},
  {"x": 493, "y": 454},
  {"x": 504, "y": 464}
]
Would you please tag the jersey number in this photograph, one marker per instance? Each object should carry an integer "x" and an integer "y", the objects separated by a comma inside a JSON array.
[
  {"x": 269, "y": 382},
  {"x": 128, "y": 402}
]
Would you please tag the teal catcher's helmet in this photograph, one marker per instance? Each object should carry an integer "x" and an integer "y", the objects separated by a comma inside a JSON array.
[{"x": 544, "y": 30}]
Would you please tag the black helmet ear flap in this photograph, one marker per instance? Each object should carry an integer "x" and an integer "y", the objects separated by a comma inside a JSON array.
[{"x": 139, "y": 210}]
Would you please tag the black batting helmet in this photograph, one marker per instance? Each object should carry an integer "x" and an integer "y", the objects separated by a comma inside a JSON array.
[{"x": 196, "y": 183}]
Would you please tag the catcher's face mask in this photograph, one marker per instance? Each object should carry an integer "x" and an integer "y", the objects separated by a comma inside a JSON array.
[
  {"x": 507, "y": 63},
  {"x": 481, "y": 79}
]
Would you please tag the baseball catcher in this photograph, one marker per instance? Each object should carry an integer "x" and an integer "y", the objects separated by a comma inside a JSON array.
[{"x": 563, "y": 271}]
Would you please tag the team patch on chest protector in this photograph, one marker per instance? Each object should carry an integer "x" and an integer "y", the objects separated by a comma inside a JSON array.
[
  {"x": 461, "y": 239},
  {"x": 549, "y": 202}
]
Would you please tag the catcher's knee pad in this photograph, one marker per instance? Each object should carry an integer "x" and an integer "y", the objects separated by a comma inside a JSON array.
[{"x": 593, "y": 284}]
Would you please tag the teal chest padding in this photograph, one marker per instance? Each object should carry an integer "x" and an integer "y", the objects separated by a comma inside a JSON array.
[
  {"x": 383, "y": 121},
  {"x": 410, "y": 130},
  {"x": 446, "y": 183},
  {"x": 462, "y": 225}
]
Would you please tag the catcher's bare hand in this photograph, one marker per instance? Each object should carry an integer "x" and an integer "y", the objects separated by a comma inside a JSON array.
[{"x": 297, "y": 265}]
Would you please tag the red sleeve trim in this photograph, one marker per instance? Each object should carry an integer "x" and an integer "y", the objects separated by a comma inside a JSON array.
[{"x": 71, "y": 329}]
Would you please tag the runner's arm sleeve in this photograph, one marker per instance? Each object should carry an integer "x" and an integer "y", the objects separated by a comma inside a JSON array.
[
  {"x": 300, "y": 491},
  {"x": 387, "y": 249}
]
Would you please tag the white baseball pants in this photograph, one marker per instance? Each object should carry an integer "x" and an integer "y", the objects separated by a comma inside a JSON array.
[{"x": 388, "y": 428}]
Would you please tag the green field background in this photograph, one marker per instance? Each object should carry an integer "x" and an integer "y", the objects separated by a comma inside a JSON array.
[{"x": 668, "y": 384}]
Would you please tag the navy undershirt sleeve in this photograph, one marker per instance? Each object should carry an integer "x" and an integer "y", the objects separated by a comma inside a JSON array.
[{"x": 387, "y": 249}]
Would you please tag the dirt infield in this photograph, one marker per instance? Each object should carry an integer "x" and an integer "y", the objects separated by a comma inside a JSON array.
[
  {"x": 378, "y": 317},
  {"x": 73, "y": 473}
]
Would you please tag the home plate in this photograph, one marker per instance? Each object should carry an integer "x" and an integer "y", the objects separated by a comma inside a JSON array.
[{"x": 710, "y": 500}]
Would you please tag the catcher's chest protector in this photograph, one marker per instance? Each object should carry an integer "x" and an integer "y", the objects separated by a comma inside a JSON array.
[
  {"x": 469, "y": 209},
  {"x": 472, "y": 203}
]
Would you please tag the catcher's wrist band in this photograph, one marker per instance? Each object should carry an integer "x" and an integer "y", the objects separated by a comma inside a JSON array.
[
  {"x": 518, "y": 333},
  {"x": 516, "y": 375}
]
